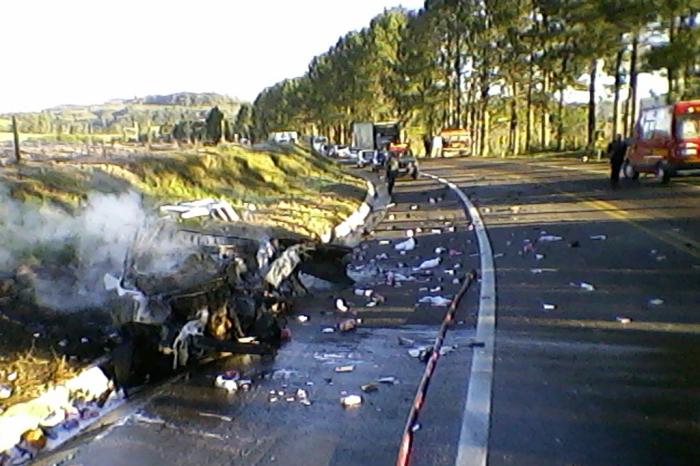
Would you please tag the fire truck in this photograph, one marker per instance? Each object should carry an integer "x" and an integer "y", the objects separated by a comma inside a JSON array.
[{"x": 666, "y": 141}]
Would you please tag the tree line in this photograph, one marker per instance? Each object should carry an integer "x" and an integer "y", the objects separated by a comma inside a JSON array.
[{"x": 501, "y": 68}]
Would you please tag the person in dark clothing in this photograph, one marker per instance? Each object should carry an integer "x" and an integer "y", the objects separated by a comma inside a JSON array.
[
  {"x": 616, "y": 152},
  {"x": 392, "y": 171}
]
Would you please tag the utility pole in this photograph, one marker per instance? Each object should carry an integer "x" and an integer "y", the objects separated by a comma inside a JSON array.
[{"x": 16, "y": 138}]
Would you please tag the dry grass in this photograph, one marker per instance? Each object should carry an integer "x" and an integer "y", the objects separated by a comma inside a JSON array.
[{"x": 34, "y": 373}]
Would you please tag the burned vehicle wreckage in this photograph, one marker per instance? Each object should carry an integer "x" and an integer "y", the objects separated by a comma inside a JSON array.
[{"x": 230, "y": 293}]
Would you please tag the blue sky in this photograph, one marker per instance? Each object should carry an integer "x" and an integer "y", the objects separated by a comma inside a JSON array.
[{"x": 89, "y": 51}]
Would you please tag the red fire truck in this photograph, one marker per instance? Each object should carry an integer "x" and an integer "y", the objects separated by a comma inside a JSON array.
[{"x": 666, "y": 141}]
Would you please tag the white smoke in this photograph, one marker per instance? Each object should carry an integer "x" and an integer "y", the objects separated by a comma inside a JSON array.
[{"x": 71, "y": 254}]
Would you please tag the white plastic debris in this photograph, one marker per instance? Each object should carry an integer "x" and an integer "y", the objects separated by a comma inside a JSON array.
[
  {"x": 435, "y": 300},
  {"x": 436, "y": 231},
  {"x": 302, "y": 318},
  {"x": 351, "y": 400},
  {"x": 414, "y": 352},
  {"x": 587, "y": 286},
  {"x": 428, "y": 264},
  {"x": 656, "y": 302},
  {"x": 347, "y": 368},
  {"x": 328, "y": 330},
  {"x": 384, "y": 242},
  {"x": 388, "y": 380},
  {"x": 435, "y": 289},
  {"x": 341, "y": 305},
  {"x": 227, "y": 382},
  {"x": 498, "y": 255},
  {"x": 539, "y": 257},
  {"x": 549, "y": 238},
  {"x": 5, "y": 391},
  {"x": 440, "y": 250},
  {"x": 624, "y": 320},
  {"x": 549, "y": 307},
  {"x": 414, "y": 207},
  {"x": 408, "y": 245},
  {"x": 599, "y": 237}
]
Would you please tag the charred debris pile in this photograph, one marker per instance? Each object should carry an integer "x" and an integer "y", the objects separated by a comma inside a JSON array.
[{"x": 231, "y": 294}]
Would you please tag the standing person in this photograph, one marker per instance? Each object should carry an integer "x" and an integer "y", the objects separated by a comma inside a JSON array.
[
  {"x": 392, "y": 171},
  {"x": 616, "y": 152}
]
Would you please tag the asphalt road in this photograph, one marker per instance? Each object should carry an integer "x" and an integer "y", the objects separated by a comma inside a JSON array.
[{"x": 608, "y": 376}]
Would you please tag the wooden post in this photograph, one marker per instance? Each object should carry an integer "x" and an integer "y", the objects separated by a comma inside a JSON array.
[{"x": 15, "y": 133}]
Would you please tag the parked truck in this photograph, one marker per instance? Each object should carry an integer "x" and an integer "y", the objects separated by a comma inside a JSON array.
[
  {"x": 371, "y": 140},
  {"x": 666, "y": 141}
]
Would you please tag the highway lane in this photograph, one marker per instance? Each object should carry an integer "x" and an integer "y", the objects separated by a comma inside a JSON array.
[{"x": 574, "y": 384}]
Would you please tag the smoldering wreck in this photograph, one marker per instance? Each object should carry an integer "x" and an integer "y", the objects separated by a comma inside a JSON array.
[{"x": 230, "y": 293}]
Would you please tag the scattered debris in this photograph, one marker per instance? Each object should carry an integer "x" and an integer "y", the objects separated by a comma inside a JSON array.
[
  {"x": 408, "y": 245},
  {"x": 549, "y": 307},
  {"x": 348, "y": 325},
  {"x": 428, "y": 264},
  {"x": 369, "y": 387},
  {"x": 447, "y": 349},
  {"x": 346, "y": 368},
  {"x": 549, "y": 238},
  {"x": 454, "y": 252},
  {"x": 414, "y": 207},
  {"x": 539, "y": 257},
  {"x": 498, "y": 255},
  {"x": 436, "y": 231},
  {"x": 624, "y": 320},
  {"x": 363, "y": 292},
  {"x": 435, "y": 300},
  {"x": 216, "y": 416},
  {"x": 302, "y": 318},
  {"x": 586, "y": 286},
  {"x": 228, "y": 381},
  {"x": 328, "y": 330},
  {"x": 5, "y": 391},
  {"x": 341, "y": 305},
  {"x": 403, "y": 341},
  {"x": 415, "y": 427},
  {"x": 440, "y": 250},
  {"x": 599, "y": 237},
  {"x": 388, "y": 380},
  {"x": 350, "y": 401},
  {"x": 656, "y": 302},
  {"x": 542, "y": 270},
  {"x": 204, "y": 207}
]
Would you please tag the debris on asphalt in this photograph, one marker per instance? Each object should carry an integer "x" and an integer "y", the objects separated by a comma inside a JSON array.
[
  {"x": 656, "y": 302},
  {"x": 454, "y": 252},
  {"x": 348, "y": 325},
  {"x": 227, "y": 380},
  {"x": 363, "y": 292},
  {"x": 216, "y": 416},
  {"x": 436, "y": 289},
  {"x": 403, "y": 341},
  {"x": 382, "y": 256},
  {"x": 539, "y": 257},
  {"x": 549, "y": 307},
  {"x": 549, "y": 238},
  {"x": 624, "y": 320},
  {"x": 302, "y": 318},
  {"x": 455, "y": 281},
  {"x": 428, "y": 264},
  {"x": 498, "y": 255},
  {"x": 445, "y": 350},
  {"x": 440, "y": 250},
  {"x": 415, "y": 427},
  {"x": 542, "y": 270},
  {"x": 408, "y": 245},
  {"x": 328, "y": 330},
  {"x": 435, "y": 300},
  {"x": 369, "y": 387},
  {"x": 599, "y": 237},
  {"x": 414, "y": 352},
  {"x": 350, "y": 401},
  {"x": 346, "y": 368},
  {"x": 660, "y": 258},
  {"x": 384, "y": 242},
  {"x": 583, "y": 285},
  {"x": 371, "y": 304},
  {"x": 436, "y": 231},
  {"x": 388, "y": 380},
  {"x": 341, "y": 305}
]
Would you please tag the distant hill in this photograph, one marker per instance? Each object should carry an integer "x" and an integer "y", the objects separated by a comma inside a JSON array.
[{"x": 120, "y": 115}]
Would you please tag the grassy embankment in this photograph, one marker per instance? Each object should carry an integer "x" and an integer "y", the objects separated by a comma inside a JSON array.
[{"x": 292, "y": 188}]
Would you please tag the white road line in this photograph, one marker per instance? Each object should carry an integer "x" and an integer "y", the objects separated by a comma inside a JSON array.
[{"x": 474, "y": 435}]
